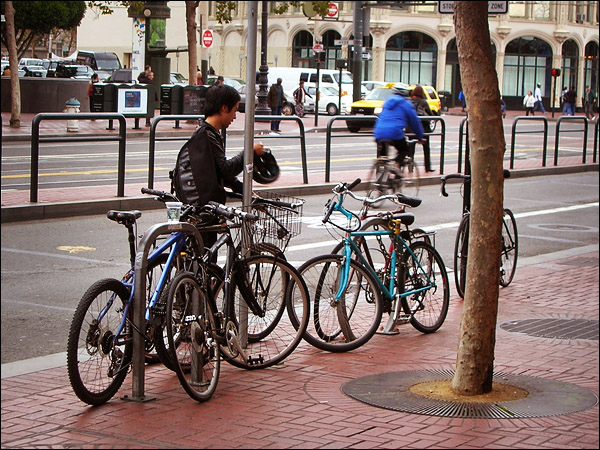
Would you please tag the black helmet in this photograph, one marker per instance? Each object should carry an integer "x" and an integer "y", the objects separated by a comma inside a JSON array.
[{"x": 266, "y": 169}]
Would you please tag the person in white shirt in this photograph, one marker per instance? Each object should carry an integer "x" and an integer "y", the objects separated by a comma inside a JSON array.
[{"x": 538, "y": 99}]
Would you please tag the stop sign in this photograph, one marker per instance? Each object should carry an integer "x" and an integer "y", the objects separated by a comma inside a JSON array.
[{"x": 207, "y": 38}]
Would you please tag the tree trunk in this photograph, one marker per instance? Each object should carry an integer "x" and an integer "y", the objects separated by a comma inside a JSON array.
[
  {"x": 15, "y": 87},
  {"x": 190, "y": 19},
  {"x": 477, "y": 336}
]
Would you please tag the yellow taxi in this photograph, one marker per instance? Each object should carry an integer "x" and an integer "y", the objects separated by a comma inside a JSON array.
[{"x": 373, "y": 102}]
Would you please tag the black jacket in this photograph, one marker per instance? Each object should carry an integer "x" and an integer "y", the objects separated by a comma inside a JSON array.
[{"x": 211, "y": 170}]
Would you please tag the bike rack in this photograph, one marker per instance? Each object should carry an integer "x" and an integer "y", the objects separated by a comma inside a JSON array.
[
  {"x": 139, "y": 298},
  {"x": 370, "y": 133},
  {"x": 557, "y": 135},
  {"x": 177, "y": 118},
  {"x": 515, "y": 132},
  {"x": 36, "y": 139},
  {"x": 461, "y": 133}
]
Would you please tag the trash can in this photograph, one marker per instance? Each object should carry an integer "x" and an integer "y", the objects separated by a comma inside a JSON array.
[
  {"x": 171, "y": 99},
  {"x": 445, "y": 97}
]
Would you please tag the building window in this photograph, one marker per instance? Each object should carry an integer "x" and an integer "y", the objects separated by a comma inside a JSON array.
[
  {"x": 411, "y": 57},
  {"x": 332, "y": 51},
  {"x": 527, "y": 62},
  {"x": 516, "y": 9},
  {"x": 570, "y": 55},
  {"x": 590, "y": 71},
  {"x": 541, "y": 10},
  {"x": 302, "y": 50}
]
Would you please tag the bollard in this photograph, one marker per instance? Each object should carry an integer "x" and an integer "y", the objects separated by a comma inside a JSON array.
[{"x": 72, "y": 106}]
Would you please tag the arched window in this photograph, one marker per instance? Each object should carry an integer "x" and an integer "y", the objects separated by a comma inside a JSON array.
[
  {"x": 590, "y": 73},
  {"x": 411, "y": 57},
  {"x": 332, "y": 51},
  {"x": 570, "y": 55},
  {"x": 527, "y": 61},
  {"x": 302, "y": 50}
]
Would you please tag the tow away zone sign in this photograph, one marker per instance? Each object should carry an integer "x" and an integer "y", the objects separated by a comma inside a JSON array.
[{"x": 498, "y": 7}]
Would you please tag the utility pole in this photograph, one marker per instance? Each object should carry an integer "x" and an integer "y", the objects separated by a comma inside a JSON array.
[
  {"x": 358, "y": 50},
  {"x": 263, "y": 80}
]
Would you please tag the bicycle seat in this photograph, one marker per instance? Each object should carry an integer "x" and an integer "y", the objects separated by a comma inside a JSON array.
[
  {"x": 124, "y": 217},
  {"x": 405, "y": 218},
  {"x": 408, "y": 200}
]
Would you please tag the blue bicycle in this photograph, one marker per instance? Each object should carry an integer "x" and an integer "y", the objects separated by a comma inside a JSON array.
[
  {"x": 100, "y": 341},
  {"x": 348, "y": 295}
]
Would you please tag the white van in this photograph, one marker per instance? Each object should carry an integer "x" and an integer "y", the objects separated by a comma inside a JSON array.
[{"x": 291, "y": 77}]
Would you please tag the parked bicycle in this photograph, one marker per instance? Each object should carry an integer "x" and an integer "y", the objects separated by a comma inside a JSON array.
[
  {"x": 510, "y": 237},
  {"x": 241, "y": 313},
  {"x": 390, "y": 177},
  {"x": 347, "y": 294},
  {"x": 100, "y": 341}
]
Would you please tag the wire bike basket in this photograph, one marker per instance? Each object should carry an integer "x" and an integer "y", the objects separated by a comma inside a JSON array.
[{"x": 277, "y": 224}]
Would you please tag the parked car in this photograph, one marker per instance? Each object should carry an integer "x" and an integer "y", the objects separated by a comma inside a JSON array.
[
  {"x": 33, "y": 71},
  {"x": 242, "y": 90},
  {"x": 228, "y": 81},
  {"x": 329, "y": 100},
  {"x": 30, "y": 62},
  {"x": 374, "y": 100},
  {"x": 370, "y": 85},
  {"x": 73, "y": 71},
  {"x": 50, "y": 65},
  {"x": 178, "y": 78},
  {"x": 120, "y": 76}
]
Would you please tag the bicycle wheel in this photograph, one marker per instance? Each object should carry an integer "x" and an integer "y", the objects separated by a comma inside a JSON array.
[
  {"x": 95, "y": 364},
  {"x": 510, "y": 248},
  {"x": 426, "y": 273},
  {"x": 461, "y": 250},
  {"x": 193, "y": 337},
  {"x": 409, "y": 181},
  {"x": 350, "y": 322},
  {"x": 379, "y": 177},
  {"x": 276, "y": 328}
]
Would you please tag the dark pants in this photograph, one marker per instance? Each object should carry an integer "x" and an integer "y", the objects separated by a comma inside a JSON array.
[{"x": 275, "y": 123}]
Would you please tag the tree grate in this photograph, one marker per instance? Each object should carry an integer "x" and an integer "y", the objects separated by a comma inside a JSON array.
[
  {"x": 554, "y": 328},
  {"x": 546, "y": 397}
]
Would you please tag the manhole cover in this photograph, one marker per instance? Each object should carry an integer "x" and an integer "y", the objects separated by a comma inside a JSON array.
[
  {"x": 554, "y": 328},
  {"x": 546, "y": 397}
]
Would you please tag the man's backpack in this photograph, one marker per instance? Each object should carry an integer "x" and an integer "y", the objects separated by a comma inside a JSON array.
[{"x": 182, "y": 179}]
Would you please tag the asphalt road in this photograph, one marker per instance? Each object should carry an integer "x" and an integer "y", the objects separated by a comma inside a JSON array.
[{"x": 47, "y": 265}]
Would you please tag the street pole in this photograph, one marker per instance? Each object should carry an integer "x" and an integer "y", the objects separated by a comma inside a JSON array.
[
  {"x": 358, "y": 50},
  {"x": 263, "y": 80}
]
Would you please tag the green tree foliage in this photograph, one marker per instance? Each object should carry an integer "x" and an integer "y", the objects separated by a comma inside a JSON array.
[
  {"x": 35, "y": 19},
  {"x": 224, "y": 8}
]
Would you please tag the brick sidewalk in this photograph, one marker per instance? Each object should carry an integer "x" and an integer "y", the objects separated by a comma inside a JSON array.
[{"x": 299, "y": 404}]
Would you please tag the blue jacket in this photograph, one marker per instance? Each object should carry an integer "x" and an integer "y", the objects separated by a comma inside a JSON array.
[{"x": 397, "y": 114}]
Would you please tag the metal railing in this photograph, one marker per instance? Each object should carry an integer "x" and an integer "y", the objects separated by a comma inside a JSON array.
[
  {"x": 562, "y": 119},
  {"x": 36, "y": 139},
  {"x": 515, "y": 132}
]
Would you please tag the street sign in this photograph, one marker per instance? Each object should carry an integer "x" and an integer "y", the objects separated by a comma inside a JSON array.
[
  {"x": 333, "y": 12},
  {"x": 207, "y": 39},
  {"x": 317, "y": 48},
  {"x": 494, "y": 7},
  {"x": 341, "y": 42}
]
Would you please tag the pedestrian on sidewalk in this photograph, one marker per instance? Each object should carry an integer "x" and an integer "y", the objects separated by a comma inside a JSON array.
[
  {"x": 570, "y": 100},
  {"x": 463, "y": 100},
  {"x": 563, "y": 101},
  {"x": 529, "y": 103},
  {"x": 143, "y": 76},
  {"x": 299, "y": 98},
  {"x": 538, "y": 99},
  {"x": 150, "y": 80},
  {"x": 275, "y": 102},
  {"x": 590, "y": 100},
  {"x": 93, "y": 80}
]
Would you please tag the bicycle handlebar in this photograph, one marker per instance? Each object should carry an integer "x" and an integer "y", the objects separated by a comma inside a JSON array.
[
  {"x": 229, "y": 212},
  {"x": 451, "y": 176},
  {"x": 269, "y": 201}
]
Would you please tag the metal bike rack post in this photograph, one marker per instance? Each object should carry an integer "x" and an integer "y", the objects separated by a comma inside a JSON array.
[
  {"x": 515, "y": 132},
  {"x": 139, "y": 297},
  {"x": 557, "y": 134},
  {"x": 158, "y": 119},
  {"x": 461, "y": 133},
  {"x": 36, "y": 139},
  {"x": 596, "y": 128}
]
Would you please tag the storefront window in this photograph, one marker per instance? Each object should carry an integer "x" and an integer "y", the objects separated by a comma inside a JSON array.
[
  {"x": 527, "y": 62},
  {"x": 411, "y": 58}
]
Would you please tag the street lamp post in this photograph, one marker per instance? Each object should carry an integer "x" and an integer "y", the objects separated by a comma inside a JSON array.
[{"x": 262, "y": 108}]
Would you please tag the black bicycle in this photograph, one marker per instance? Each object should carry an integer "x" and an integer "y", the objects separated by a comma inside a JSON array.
[{"x": 510, "y": 237}]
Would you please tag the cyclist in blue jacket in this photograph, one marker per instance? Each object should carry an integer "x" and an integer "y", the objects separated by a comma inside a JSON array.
[{"x": 397, "y": 114}]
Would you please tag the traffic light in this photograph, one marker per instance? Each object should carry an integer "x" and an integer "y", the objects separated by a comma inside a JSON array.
[{"x": 556, "y": 72}]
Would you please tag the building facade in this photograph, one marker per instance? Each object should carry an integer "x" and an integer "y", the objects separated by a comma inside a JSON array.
[{"x": 415, "y": 44}]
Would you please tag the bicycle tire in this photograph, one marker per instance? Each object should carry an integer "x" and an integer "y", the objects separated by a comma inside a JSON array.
[
  {"x": 409, "y": 182},
  {"x": 461, "y": 251},
  {"x": 428, "y": 308},
  {"x": 273, "y": 335},
  {"x": 96, "y": 367},
  {"x": 510, "y": 248},
  {"x": 193, "y": 337},
  {"x": 379, "y": 179},
  {"x": 354, "y": 320}
]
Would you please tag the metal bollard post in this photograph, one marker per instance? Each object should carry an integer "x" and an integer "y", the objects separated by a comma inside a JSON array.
[{"x": 72, "y": 106}]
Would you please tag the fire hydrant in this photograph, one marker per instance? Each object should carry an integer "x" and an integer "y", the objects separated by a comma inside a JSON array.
[{"x": 72, "y": 106}]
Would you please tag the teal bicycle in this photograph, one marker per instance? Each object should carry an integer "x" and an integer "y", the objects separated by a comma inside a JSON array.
[{"x": 348, "y": 296}]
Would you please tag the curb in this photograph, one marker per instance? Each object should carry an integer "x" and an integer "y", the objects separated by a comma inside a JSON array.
[{"x": 59, "y": 210}]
